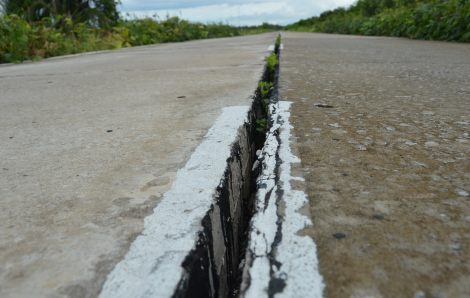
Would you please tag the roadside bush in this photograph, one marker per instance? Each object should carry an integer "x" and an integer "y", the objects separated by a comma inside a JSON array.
[
  {"x": 150, "y": 31},
  {"x": 20, "y": 40},
  {"x": 432, "y": 19}
]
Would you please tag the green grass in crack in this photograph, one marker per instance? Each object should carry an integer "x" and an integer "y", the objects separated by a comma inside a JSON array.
[
  {"x": 272, "y": 62},
  {"x": 265, "y": 88},
  {"x": 262, "y": 126}
]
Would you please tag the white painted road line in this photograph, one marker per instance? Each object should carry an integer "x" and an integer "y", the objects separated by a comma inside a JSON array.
[
  {"x": 297, "y": 254},
  {"x": 272, "y": 47},
  {"x": 279, "y": 262},
  {"x": 152, "y": 267}
]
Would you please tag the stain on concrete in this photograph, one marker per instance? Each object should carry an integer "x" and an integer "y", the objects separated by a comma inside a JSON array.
[{"x": 156, "y": 182}]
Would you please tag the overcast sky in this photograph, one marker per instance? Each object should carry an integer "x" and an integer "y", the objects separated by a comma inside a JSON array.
[{"x": 245, "y": 12}]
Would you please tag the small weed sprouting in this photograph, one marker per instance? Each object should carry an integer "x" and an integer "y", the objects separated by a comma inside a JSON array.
[
  {"x": 262, "y": 126},
  {"x": 265, "y": 88},
  {"x": 272, "y": 62}
]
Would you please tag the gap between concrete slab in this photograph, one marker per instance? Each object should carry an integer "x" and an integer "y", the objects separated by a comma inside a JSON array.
[
  {"x": 194, "y": 243},
  {"x": 279, "y": 263},
  {"x": 189, "y": 245}
]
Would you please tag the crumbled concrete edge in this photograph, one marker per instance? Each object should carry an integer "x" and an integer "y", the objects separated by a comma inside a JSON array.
[
  {"x": 189, "y": 245},
  {"x": 279, "y": 263}
]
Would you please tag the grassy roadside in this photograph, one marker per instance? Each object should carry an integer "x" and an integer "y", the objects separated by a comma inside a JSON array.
[
  {"x": 20, "y": 40},
  {"x": 264, "y": 28},
  {"x": 447, "y": 20}
]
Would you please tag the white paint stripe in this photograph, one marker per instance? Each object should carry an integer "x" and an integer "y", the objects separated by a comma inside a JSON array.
[
  {"x": 271, "y": 48},
  {"x": 296, "y": 253},
  {"x": 152, "y": 267}
]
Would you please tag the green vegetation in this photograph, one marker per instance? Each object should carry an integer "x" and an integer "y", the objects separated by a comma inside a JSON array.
[
  {"x": 265, "y": 89},
  {"x": 37, "y": 29},
  {"x": 100, "y": 12},
  {"x": 21, "y": 40},
  {"x": 447, "y": 20},
  {"x": 272, "y": 62},
  {"x": 264, "y": 28},
  {"x": 151, "y": 31},
  {"x": 262, "y": 125}
]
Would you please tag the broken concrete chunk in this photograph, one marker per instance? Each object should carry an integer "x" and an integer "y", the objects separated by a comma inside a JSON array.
[{"x": 255, "y": 165}]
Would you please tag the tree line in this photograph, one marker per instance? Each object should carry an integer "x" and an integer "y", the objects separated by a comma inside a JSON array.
[
  {"x": 38, "y": 29},
  {"x": 447, "y": 20},
  {"x": 98, "y": 12}
]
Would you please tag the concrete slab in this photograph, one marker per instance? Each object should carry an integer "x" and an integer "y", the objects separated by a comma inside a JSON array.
[
  {"x": 381, "y": 126},
  {"x": 153, "y": 265},
  {"x": 89, "y": 145},
  {"x": 280, "y": 261}
]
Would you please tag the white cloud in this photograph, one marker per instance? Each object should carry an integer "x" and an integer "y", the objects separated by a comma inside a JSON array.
[{"x": 280, "y": 12}]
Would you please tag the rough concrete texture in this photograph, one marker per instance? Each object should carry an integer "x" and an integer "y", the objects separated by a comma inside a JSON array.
[
  {"x": 90, "y": 143},
  {"x": 279, "y": 262},
  {"x": 382, "y": 128},
  {"x": 188, "y": 247}
]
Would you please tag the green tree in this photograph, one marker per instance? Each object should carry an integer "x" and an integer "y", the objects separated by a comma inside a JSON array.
[{"x": 96, "y": 12}]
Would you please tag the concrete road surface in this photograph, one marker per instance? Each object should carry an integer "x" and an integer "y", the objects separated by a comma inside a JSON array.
[
  {"x": 90, "y": 143},
  {"x": 382, "y": 128},
  {"x": 379, "y": 131}
]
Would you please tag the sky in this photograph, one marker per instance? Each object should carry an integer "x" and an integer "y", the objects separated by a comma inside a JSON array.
[{"x": 235, "y": 12}]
